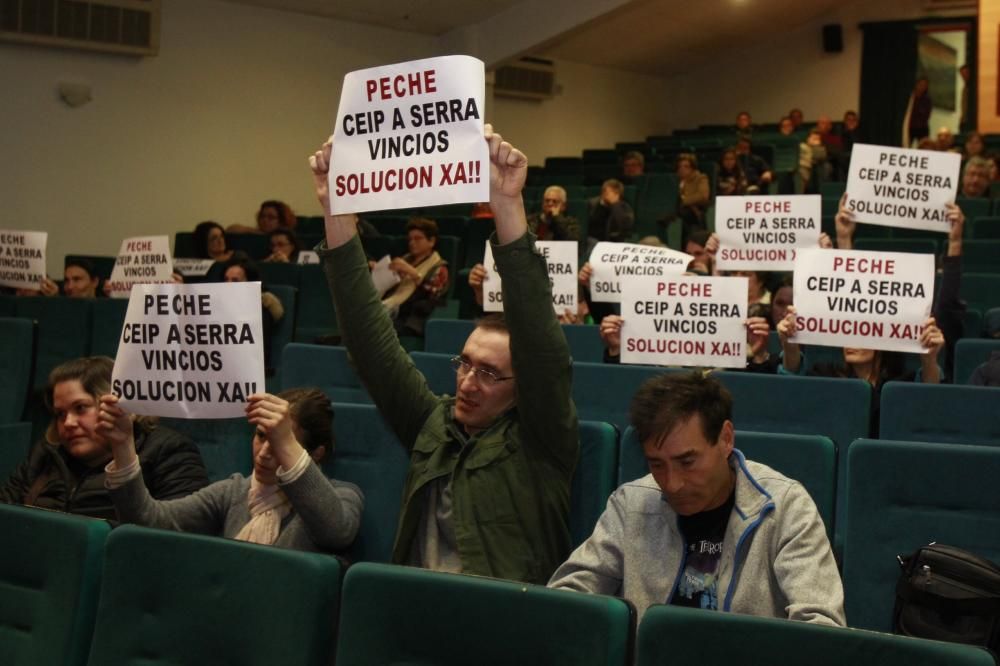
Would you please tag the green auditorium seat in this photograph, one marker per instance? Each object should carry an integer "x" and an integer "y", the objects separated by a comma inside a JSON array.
[
  {"x": 370, "y": 456},
  {"x": 15, "y": 443},
  {"x": 324, "y": 367},
  {"x": 63, "y": 330},
  {"x": 981, "y": 256},
  {"x": 671, "y": 635},
  {"x": 448, "y": 336},
  {"x": 19, "y": 339},
  {"x": 657, "y": 199},
  {"x": 985, "y": 228},
  {"x": 940, "y": 413},
  {"x": 809, "y": 459},
  {"x": 184, "y": 247},
  {"x": 914, "y": 245},
  {"x": 403, "y": 615},
  {"x": 106, "y": 325},
  {"x": 437, "y": 370},
  {"x": 50, "y": 573},
  {"x": 969, "y": 354},
  {"x": 972, "y": 324},
  {"x": 479, "y": 232},
  {"x": 312, "y": 224},
  {"x": 603, "y": 391},
  {"x": 974, "y": 207},
  {"x": 316, "y": 318},
  {"x": 103, "y": 265},
  {"x": 172, "y": 598},
  {"x": 257, "y": 246},
  {"x": 833, "y": 189},
  {"x": 273, "y": 272},
  {"x": 594, "y": 479},
  {"x": 285, "y": 327},
  {"x": 224, "y": 444},
  {"x": 904, "y": 495}
]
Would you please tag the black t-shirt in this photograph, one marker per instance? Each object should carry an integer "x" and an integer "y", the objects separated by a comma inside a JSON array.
[{"x": 703, "y": 533}]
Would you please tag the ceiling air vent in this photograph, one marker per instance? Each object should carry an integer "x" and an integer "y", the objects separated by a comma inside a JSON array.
[
  {"x": 112, "y": 26},
  {"x": 528, "y": 78}
]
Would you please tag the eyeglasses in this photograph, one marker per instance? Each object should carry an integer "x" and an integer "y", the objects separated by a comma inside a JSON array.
[{"x": 485, "y": 377}]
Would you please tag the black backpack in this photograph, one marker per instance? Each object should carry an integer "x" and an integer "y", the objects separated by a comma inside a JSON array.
[{"x": 948, "y": 594}]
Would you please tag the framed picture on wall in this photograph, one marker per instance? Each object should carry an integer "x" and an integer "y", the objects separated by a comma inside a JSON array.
[{"x": 939, "y": 63}]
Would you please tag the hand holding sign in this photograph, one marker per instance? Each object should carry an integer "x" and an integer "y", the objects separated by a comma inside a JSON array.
[
  {"x": 272, "y": 417},
  {"x": 115, "y": 424},
  {"x": 611, "y": 334}
]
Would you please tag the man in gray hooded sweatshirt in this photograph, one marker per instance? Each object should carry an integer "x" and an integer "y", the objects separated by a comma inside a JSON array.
[{"x": 706, "y": 528}]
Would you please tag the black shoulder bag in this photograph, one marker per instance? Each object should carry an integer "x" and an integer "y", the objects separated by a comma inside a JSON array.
[{"x": 948, "y": 594}]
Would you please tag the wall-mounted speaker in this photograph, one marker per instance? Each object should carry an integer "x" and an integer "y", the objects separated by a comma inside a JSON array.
[{"x": 833, "y": 38}]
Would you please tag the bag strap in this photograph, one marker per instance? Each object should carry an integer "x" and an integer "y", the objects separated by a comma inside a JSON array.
[{"x": 912, "y": 593}]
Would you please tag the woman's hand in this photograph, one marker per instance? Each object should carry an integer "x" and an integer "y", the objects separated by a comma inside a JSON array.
[
  {"x": 115, "y": 425},
  {"x": 611, "y": 334},
  {"x": 272, "y": 416}
]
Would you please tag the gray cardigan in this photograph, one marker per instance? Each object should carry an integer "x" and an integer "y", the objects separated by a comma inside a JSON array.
[
  {"x": 326, "y": 513},
  {"x": 776, "y": 559}
]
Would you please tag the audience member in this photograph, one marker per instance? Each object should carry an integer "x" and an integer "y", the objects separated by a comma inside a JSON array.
[
  {"x": 706, "y": 528},
  {"x": 814, "y": 166},
  {"x": 271, "y": 215},
  {"x": 80, "y": 279},
  {"x": 693, "y": 195},
  {"x": 786, "y": 127},
  {"x": 210, "y": 242},
  {"x": 988, "y": 372},
  {"x": 976, "y": 178},
  {"x": 286, "y": 502},
  {"x": 241, "y": 269},
  {"x": 850, "y": 134},
  {"x": 552, "y": 223},
  {"x": 916, "y": 122},
  {"x": 946, "y": 141},
  {"x": 504, "y": 449},
  {"x": 65, "y": 472},
  {"x": 974, "y": 146},
  {"x": 781, "y": 299},
  {"x": 703, "y": 261},
  {"x": 756, "y": 171},
  {"x": 610, "y": 217},
  {"x": 633, "y": 166},
  {"x": 731, "y": 180},
  {"x": 757, "y": 291},
  {"x": 796, "y": 117},
  {"x": 285, "y": 247},
  {"x": 423, "y": 277},
  {"x": 744, "y": 125}
]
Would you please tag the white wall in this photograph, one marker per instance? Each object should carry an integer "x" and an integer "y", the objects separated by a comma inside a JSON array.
[
  {"x": 594, "y": 108},
  {"x": 223, "y": 118}
]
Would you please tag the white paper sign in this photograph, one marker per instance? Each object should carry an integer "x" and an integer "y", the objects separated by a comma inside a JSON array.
[
  {"x": 900, "y": 187},
  {"x": 561, "y": 259},
  {"x": 191, "y": 350},
  {"x": 308, "y": 257},
  {"x": 410, "y": 135},
  {"x": 141, "y": 260},
  {"x": 610, "y": 262},
  {"x": 22, "y": 258},
  {"x": 684, "y": 320},
  {"x": 192, "y": 267},
  {"x": 867, "y": 300},
  {"x": 762, "y": 233},
  {"x": 383, "y": 277}
]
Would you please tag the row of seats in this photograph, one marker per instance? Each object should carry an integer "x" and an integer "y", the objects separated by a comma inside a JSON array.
[{"x": 147, "y": 596}]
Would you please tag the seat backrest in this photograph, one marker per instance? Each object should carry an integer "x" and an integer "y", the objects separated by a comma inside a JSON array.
[
  {"x": 275, "y": 272},
  {"x": 327, "y": 368},
  {"x": 369, "y": 455},
  {"x": 285, "y": 327},
  {"x": 603, "y": 391},
  {"x": 403, "y": 615},
  {"x": 63, "y": 330},
  {"x": 437, "y": 370},
  {"x": 809, "y": 459},
  {"x": 981, "y": 256},
  {"x": 981, "y": 291},
  {"x": 681, "y": 635},
  {"x": 15, "y": 444},
  {"x": 904, "y": 495},
  {"x": 106, "y": 325},
  {"x": 446, "y": 336},
  {"x": 594, "y": 479},
  {"x": 18, "y": 336},
  {"x": 257, "y": 246},
  {"x": 174, "y": 598},
  {"x": 970, "y": 354},
  {"x": 940, "y": 413},
  {"x": 225, "y": 445},
  {"x": 50, "y": 574}
]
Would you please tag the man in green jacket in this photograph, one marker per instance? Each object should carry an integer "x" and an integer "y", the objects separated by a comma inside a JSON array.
[{"x": 488, "y": 488}]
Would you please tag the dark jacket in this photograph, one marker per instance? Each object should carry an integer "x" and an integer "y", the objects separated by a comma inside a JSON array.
[
  {"x": 559, "y": 227},
  {"x": 610, "y": 223},
  {"x": 52, "y": 479},
  {"x": 510, "y": 483},
  {"x": 988, "y": 373}
]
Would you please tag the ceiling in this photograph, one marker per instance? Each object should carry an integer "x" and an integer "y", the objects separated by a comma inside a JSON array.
[{"x": 657, "y": 37}]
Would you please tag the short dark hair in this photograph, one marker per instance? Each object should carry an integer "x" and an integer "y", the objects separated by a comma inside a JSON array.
[
  {"x": 664, "y": 401},
  {"x": 493, "y": 321},
  {"x": 201, "y": 237},
  {"x": 690, "y": 158},
  {"x": 248, "y": 266},
  {"x": 424, "y": 225},
  {"x": 312, "y": 411},
  {"x": 699, "y": 237},
  {"x": 286, "y": 216},
  {"x": 81, "y": 262},
  {"x": 614, "y": 184}
]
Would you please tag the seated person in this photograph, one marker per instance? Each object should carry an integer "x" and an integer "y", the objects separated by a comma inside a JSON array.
[
  {"x": 976, "y": 178},
  {"x": 786, "y": 127},
  {"x": 210, "y": 242},
  {"x": 271, "y": 215},
  {"x": 974, "y": 146},
  {"x": 488, "y": 488},
  {"x": 242, "y": 269},
  {"x": 706, "y": 528},
  {"x": 744, "y": 125},
  {"x": 65, "y": 472},
  {"x": 756, "y": 171},
  {"x": 693, "y": 195},
  {"x": 286, "y": 502},
  {"x": 423, "y": 277},
  {"x": 796, "y": 117},
  {"x": 611, "y": 217},
  {"x": 285, "y": 247},
  {"x": 731, "y": 182},
  {"x": 946, "y": 140},
  {"x": 633, "y": 166},
  {"x": 80, "y": 279},
  {"x": 814, "y": 165},
  {"x": 552, "y": 223}
]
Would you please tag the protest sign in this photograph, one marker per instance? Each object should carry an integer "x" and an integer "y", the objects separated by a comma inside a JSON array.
[
  {"x": 561, "y": 261},
  {"x": 684, "y": 320},
  {"x": 191, "y": 350},
  {"x": 762, "y": 233},
  {"x": 22, "y": 258},
  {"x": 383, "y": 277},
  {"x": 141, "y": 260},
  {"x": 899, "y": 187},
  {"x": 410, "y": 135},
  {"x": 610, "y": 262},
  {"x": 867, "y": 300},
  {"x": 308, "y": 257},
  {"x": 192, "y": 267}
]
